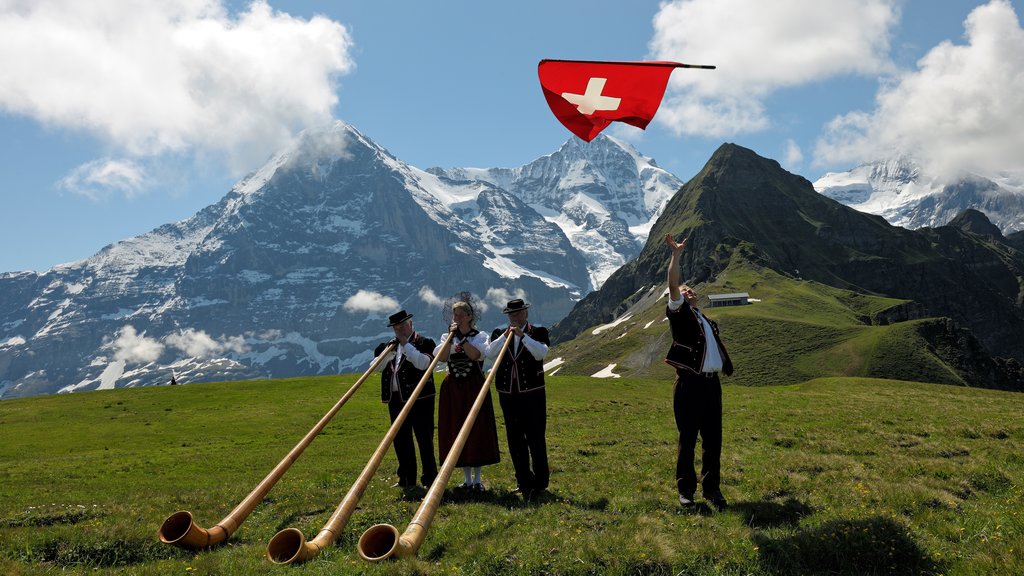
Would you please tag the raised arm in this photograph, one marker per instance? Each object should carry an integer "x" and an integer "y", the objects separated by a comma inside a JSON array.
[{"x": 673, "y": 265}]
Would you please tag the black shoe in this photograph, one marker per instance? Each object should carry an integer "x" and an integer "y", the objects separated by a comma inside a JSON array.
[
  {"x": 718, "y": 502},
  {"x": 686, "y": 501}
]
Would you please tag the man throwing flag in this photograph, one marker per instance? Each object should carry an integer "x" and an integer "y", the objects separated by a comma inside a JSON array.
[{"x": 698, "y": 355}]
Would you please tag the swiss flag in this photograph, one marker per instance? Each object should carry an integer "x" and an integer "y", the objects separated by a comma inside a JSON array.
[{"x": 587, "y": 96}]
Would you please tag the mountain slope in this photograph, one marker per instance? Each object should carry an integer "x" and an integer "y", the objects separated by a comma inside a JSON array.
[
  {"x": 604, "y": 195},
  {"x": 276, "y": 278},
  {"x": 742, "y": 208}
]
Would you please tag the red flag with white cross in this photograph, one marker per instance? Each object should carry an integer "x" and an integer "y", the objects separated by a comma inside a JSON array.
[{"x": 587, "y": 96}]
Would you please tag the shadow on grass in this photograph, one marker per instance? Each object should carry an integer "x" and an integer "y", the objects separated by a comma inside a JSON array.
[
  {"x": 507, "y": 498},
  {"x": 301, "y": 516},
  {"x": 40, "y": 518},
  {"x": 840, "y": 547},
  {"x": 772, "y": 514},
  {"x": 92, "y": 553}
]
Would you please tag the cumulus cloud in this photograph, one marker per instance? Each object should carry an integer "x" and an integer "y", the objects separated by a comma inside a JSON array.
[
  {"x": 99, "y": 178},
  {"x": 430, "y": 298},
  {"x": 480, "y": 306},
  {"x": 760, "y": 48},
  {"x": 794, "y": 155},
  {"x": 960, "y": 109},
  {"x": 199, "y": 344},
  {"x": 500, "y": 296},
  {"x": 367, "y": 301},
  {"x": 151, "y": 78},
  {"x": 132, "y": 347}
]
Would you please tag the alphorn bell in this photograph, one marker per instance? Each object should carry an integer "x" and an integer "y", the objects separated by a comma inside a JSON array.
[
  {"x": 382, "y": 540},
  {"x": 180, "y": 528},
  {"x": 290, "y": 545}
]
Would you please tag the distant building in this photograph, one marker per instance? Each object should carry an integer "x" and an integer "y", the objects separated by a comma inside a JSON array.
[{"x": 737, "y": 299}]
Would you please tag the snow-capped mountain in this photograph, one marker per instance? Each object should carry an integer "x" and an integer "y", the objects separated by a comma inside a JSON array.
[
  {"x": 280, "y": 277},
  {"x": 899, "y": 191},
  {"x": 604, "y": 195}
]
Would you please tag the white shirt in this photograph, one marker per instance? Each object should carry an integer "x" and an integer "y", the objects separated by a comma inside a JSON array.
[
  {"x": 479, "y": 342},
  {"x": 410, "y": 353},
  {"x": 538, "y": 350}
]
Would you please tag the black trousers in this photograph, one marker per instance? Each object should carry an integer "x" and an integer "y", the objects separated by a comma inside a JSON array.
[
  {"x": 421, "y": 423},
  {"x": 526, "y": 418},
  {"x": 697, "y": 403}
]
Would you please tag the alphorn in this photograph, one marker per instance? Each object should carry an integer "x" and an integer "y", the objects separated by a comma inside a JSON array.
[
  {"x": 290, "y": 545},
  {"x": 382, "y": 540},
  {"x": 180, "y": 528}
]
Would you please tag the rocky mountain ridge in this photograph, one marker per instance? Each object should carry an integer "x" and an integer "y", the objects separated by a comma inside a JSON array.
[
  {"x": 295, "y": 270},
  {"x": 747, "y": 207}
]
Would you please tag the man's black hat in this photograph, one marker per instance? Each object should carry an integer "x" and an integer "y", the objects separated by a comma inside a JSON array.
[
  {"x": 515, "y": 306},
  {"x": 398, "y": 317}
]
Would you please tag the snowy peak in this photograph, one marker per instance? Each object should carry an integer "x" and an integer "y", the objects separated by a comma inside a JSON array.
[
  {"x": 603, "y": 195},
  {"x": 900, "y": 191},
  {"x": 295, "y": 269}
]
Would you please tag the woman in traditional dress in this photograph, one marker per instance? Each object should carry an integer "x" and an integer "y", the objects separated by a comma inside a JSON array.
[{"x": 458, "y": 392}]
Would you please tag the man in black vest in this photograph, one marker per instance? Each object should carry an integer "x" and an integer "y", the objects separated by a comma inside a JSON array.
[
  {"x": 402, "y": 372},
  {"x": 698, "y": 355},
  {"x": 520, "y": 384}
]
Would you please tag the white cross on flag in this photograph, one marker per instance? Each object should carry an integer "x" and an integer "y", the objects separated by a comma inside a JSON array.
[{"x": 587, "y": 96}]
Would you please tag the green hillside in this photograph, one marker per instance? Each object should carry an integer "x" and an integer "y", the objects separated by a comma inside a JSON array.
[
  {"x": 796, "y": 330},
  {"x": 827, "y": 476},
  {"x": 753, "y": 226}
]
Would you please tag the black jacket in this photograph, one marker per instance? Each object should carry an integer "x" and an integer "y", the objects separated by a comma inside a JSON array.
[
  {"x": 688, "y": 343},
  {"x": 408, "y": 375},
  {"x": 528, "y": 370}
]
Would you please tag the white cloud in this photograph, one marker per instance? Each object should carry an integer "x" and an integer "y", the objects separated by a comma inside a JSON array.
[
  {"x": 199, "y": 344},
  {"x": 430, "y": 298},
  {"x": 132, "y": 347},
  {"x": 794, "y": 156},
  {"x": 156, "y": 77},
  {"x": 759, "y": 48},
  {"x": 961, "y": 109},
  {"x": 97, "y": 179},
  {"x": 480, "y": 307},
  {"x": 500, "y": 296},
  {"x": 367, "y": 301}
]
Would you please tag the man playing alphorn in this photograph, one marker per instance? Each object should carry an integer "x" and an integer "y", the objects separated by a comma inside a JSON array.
[
  {"x": 520, "y": 385},
  {"x": 401, "y": 374}
]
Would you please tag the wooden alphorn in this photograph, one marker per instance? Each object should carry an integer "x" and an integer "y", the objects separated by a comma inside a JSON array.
[
  {"x": 180, "y": 528},
  {"x": 383, "y": 540}
]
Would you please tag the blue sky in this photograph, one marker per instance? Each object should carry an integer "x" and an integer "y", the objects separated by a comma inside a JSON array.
[{"x": 119, "y": 116}]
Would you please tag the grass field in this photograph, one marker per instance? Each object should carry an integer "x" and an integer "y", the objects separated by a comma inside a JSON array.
[
  {"x": 795, "y": 331},
  {"x": 830, "y": 476}
]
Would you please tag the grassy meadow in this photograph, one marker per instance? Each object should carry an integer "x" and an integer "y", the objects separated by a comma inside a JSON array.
[
  {"x": 829, "y": 476},
  {"x": 793, "y": 331}
]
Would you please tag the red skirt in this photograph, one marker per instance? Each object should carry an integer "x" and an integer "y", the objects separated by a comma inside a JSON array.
[{"x": 456, "y": 399}]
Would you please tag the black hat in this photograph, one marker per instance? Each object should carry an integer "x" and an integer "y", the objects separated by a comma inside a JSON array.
[
  {"x": 515, "y": 306},
  {"x": 398, "y": 317}
]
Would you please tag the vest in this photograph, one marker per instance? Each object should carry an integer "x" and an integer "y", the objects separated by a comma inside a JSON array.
[
  {"x": 688, "y": 344},
  {"x": 408, "y": 375},
  {"x": 528, "y": 370},
  {"x": 459, "y": 363}
]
